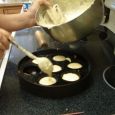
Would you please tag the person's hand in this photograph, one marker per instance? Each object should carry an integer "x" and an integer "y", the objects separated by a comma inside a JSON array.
[
  {"x": 4, "y": 43},
  {"x": 44, "y": 2},
  {"x": 37, "y": 4},
  {"x": 35, "y": 7}
]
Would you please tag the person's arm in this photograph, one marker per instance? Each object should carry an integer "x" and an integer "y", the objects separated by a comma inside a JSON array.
[
  {"x": 13, "y": 22},
  {"x": 16, "y": 21}
]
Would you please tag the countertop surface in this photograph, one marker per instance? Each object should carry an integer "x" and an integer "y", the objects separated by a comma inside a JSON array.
[{"x": 98, "y": 99}]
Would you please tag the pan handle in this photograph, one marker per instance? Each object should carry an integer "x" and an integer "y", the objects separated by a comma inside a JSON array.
[{"x": 40, "y": 37}]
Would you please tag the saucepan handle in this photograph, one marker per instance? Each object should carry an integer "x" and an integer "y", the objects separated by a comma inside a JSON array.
[{"x": 41, "y": 40}]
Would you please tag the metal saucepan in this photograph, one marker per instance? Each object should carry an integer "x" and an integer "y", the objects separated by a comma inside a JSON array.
[
  {"x": 84, "y": 19},
  {"x": 30, "y": 75}
]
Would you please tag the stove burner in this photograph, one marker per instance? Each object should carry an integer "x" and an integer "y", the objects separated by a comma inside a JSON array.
[{"x": 109, "y": 76}]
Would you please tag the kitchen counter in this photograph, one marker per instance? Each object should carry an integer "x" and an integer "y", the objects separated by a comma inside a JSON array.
[
  {"x": 10, "y": 7},
  {"x": 10, "y": 4},
  {"x": 98, "y": 99},
  {"x": 5, "y": 3}
]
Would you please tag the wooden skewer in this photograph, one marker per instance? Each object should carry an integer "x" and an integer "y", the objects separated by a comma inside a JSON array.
[{"x": 75, "y": 113}]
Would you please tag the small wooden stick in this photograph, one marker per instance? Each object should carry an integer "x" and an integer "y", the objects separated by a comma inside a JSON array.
[{"x": 75, "y": 113}]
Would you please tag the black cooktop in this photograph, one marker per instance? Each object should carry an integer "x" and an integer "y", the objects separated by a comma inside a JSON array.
[{"x": 98, "y": 99}]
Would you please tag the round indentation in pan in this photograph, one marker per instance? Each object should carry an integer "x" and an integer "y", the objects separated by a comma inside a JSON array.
[
  {"x": 70, "y": 77},
  {"x": 60, "y": 63},
  {"x": 47, "y": 81},
  {"x": 31, "y": 70},
  {"x": 74, "y": 65},
  {"x": 59, "y": 58},
  {"x": 69, "y": 72},
  {"x": 57, "y": 68}
]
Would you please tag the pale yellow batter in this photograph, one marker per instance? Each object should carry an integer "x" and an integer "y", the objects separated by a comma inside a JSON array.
[
  {"x": 47, "y": 81},
  {"x": 70, "y": 77},
  {"x": 74, "y": 65},
  {"x": 59, "y": 58},
  {"x": 56, "y": 68}
]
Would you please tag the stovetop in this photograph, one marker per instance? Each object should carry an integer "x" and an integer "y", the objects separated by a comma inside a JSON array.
[{"x": 98, "y": 99}]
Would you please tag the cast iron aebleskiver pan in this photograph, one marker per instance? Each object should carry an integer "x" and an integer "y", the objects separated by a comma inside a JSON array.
[{"x": 29, "y": 75}]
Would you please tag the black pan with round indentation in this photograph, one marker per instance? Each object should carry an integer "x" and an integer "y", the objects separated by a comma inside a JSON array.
[{"x": 29, "y": 75}]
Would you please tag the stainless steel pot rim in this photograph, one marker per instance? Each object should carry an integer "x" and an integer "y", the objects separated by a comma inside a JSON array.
[
  {"x": 71, "y": 10},
  {"x": 105, "y": 80}
]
